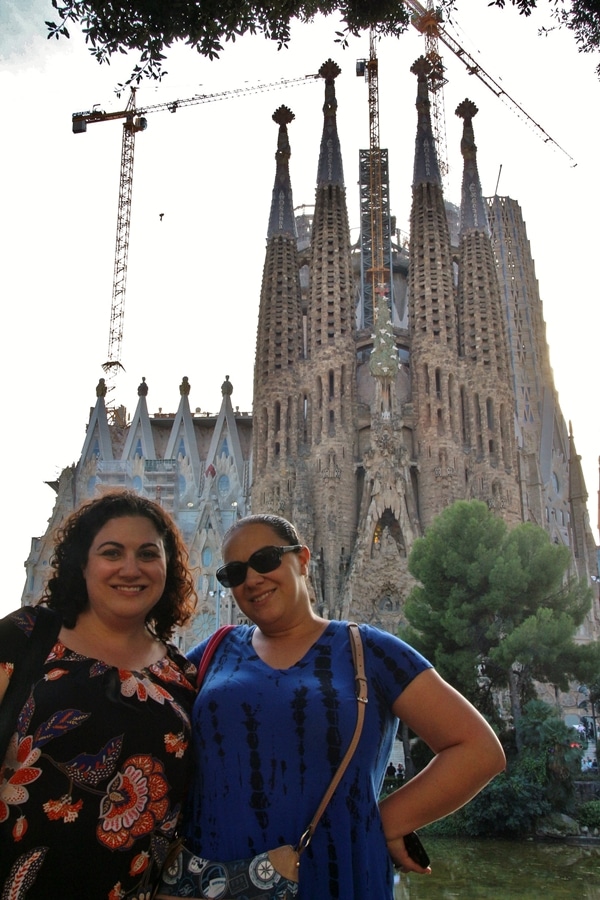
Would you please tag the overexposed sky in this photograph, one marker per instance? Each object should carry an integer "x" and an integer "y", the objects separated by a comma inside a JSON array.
[{"x": 194, "y": 277}]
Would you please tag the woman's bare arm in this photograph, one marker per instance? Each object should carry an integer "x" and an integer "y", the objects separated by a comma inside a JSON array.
[{"x": 468, "y": 756}]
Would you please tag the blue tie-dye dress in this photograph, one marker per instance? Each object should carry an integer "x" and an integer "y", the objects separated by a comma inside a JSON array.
[{"x": 267, "y": 743}]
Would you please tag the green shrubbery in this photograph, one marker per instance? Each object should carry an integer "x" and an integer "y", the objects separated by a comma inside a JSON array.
[
  {"x": 538, "y": 781},
  {"x": 588, "y": 814}
]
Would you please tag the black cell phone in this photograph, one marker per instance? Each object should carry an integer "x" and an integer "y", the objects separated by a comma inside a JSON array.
[{"x": 416, "y": 850}]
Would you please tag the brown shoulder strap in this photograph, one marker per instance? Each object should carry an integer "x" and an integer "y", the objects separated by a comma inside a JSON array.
[{"x": 358, "y": 658}]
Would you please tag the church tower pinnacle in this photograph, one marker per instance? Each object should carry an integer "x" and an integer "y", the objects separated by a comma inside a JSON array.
[
  {"x": 487, "y": 410},
  {"x": 434, "y": 360},
  {"x": 329, "y": 397},
  {"x": 279, "y": 347}
]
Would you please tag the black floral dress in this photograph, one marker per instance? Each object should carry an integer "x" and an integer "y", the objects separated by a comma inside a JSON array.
[{"x": 93, "y": 780}]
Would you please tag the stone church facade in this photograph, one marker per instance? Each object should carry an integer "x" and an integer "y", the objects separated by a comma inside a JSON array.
[{"x": 374, "y": 408}]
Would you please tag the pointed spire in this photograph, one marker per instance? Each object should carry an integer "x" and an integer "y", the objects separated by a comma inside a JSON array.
[
  {"x": 140, "y": 439},
  {"x": 330, "y": 169},
  {"x": 472, "y": 208},
  {"x": 426, "y": 167},
  {"x": 225, "y": 432},
  {"x": 282, "y": 220},
  {"x": 97, "y": 444},
  {"x": 182, "y": 442}
]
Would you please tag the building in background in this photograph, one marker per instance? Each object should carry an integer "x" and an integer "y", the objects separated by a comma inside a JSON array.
[{"x": 384, "y": 390}]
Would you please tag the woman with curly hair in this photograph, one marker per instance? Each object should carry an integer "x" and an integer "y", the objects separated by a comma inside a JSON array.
[{"x": 95, "y": 771}]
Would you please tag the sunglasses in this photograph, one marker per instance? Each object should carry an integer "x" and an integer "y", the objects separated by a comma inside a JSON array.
[{"x": 267, "y": 559}]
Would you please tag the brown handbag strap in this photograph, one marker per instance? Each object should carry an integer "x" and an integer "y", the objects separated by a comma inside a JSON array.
[{"x": 358, "y": 658}]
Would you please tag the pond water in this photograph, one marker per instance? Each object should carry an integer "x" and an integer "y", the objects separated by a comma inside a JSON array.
[{"x": 499, "y": 870}]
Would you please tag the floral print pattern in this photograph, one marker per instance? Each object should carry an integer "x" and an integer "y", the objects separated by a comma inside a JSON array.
[{"x": 95, "y": 772}]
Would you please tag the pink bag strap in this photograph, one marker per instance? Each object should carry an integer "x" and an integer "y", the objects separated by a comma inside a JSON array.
[{"x": 213, "y": 642}]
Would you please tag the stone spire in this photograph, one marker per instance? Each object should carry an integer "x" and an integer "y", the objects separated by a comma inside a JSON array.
[
  {"x": 472, "y": 208},
  {"x": 329, "y": 388},
  {"x": 330, "y": 169},
  {"x": 487, "y": 403},
  {"x": 481, "y": 318},
  {"x": 281, "y": 220},
  {"x": 426, "y": 168},
  {"x": 279, "y": 345},
  {"x": 434, "y": 359}
]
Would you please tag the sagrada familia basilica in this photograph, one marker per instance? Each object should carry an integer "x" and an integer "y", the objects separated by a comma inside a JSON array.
[{"x": 376, "y": 404}]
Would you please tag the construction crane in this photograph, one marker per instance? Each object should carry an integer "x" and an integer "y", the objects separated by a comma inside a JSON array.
[
  {"x": 428, "y": 21},
  {"x": 374, "y": 196},
  {"x": 135, "y": 120},
  {"x": 429, "y": 24}
]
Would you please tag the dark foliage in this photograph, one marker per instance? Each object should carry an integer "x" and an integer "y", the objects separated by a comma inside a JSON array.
[{"x": 149, "y": 27}]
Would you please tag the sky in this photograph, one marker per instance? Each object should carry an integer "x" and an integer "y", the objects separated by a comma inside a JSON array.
[{"x": 201, "y": 197}]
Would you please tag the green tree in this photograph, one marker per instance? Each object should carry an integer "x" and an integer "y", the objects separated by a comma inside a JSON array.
[
  {"x": 494, "y": 609},
  {"x": 149, "y": 27},
  {"x": 537, "y": 781}
]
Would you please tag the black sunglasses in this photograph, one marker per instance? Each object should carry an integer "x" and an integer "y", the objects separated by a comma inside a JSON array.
[{"x": 267, "y": 559}]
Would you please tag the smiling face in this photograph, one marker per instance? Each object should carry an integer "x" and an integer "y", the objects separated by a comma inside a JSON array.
[
  {"x": 126, "y": 569},
  {"x": 277, "y": 597}
]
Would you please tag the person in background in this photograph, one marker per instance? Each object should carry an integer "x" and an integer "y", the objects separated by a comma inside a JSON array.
[
  {"x": 276, "y": 713},
  {"x": 92, "y": 783}
]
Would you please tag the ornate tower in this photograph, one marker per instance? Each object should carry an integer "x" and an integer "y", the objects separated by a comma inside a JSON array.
[
  {"x": 328, "y": 402},
  {"x": 484, "y": 400},
  {"x": 279, "y": 348},
  {"x": 434, "y": 351}
]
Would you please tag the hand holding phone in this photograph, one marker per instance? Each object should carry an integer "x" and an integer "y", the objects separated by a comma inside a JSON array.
[{"x": 416, "y": 850}]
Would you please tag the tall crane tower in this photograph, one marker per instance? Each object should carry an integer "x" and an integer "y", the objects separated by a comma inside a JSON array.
[
  {"x": 374, "y": 198},
  {"x": 135, "y": 121}
]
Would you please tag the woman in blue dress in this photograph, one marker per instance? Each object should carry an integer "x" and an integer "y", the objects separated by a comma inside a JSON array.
[{"x": 277, "y": 711}]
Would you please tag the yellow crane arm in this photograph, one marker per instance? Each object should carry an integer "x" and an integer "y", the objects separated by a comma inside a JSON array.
[
  {"x": 82, "y": 119},
  {"x": 427, "y": 21}
]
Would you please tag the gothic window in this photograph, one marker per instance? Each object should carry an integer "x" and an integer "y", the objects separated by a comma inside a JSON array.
[{"x": 489, "y": 408}]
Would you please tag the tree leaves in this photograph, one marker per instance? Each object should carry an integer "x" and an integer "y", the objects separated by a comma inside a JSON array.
[
  {"x": 151, "y": 26},
  {"x": 494, "y": 607}
]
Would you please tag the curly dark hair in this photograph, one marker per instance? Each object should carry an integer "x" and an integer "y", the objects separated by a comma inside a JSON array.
[
  {"x": 282, "y": 528},
  {"x": 66, "y": 590}
]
